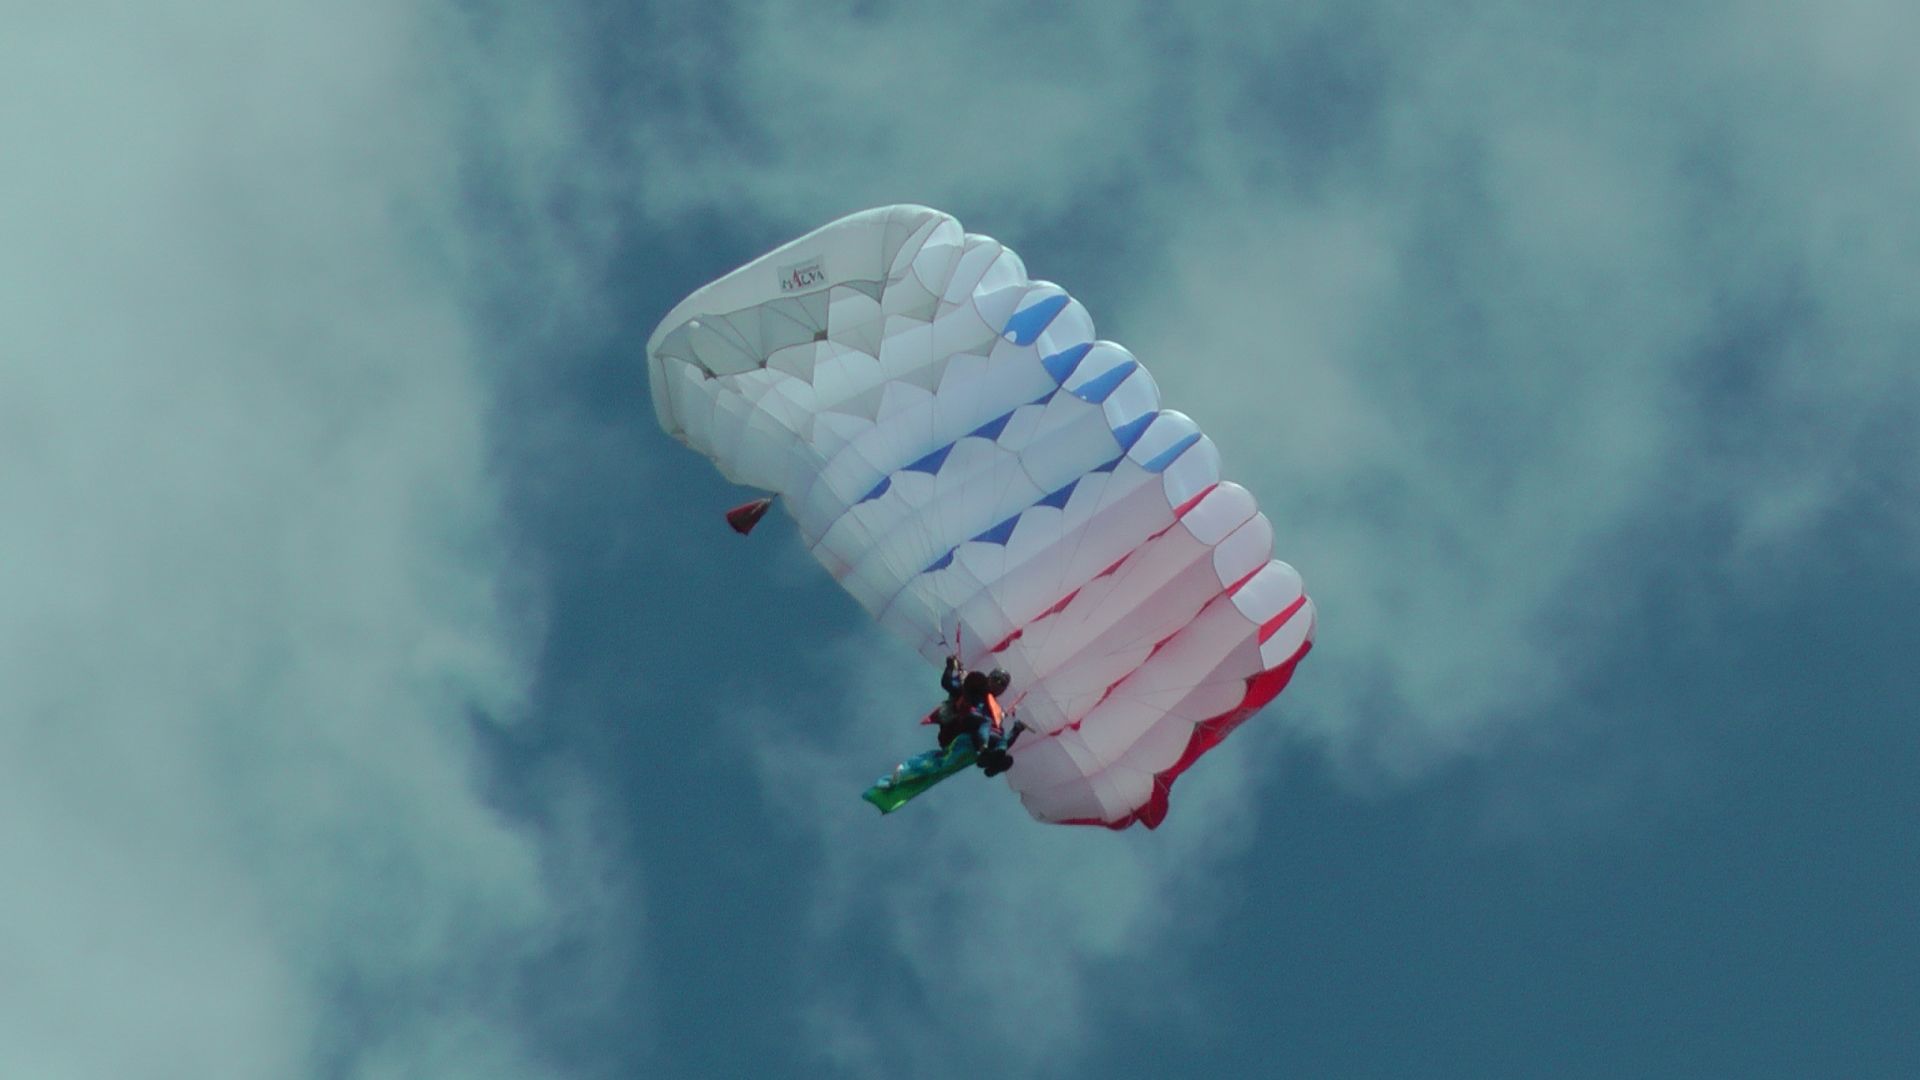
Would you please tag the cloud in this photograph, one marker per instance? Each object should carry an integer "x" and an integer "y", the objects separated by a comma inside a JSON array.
[
  {"x": 974, "y": 930},
  {"x": 1494, "y": 311},
  {"x": 1474, "y": 267},
  {"x": 787, "y": 109},
  {"x": 251, "y": 604}
]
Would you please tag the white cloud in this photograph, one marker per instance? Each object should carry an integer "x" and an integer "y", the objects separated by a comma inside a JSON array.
[
  {"x": 998, "y": 925},
  {"x": 1481, "y": 311},
  {"x": 250, "y": 591},
  {"x": 799, "y": 112},
  {"x": 1467, "y": 301}
]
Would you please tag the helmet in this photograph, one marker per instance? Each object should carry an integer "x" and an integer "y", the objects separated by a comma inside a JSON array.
[{"x": 998, "y": 681}]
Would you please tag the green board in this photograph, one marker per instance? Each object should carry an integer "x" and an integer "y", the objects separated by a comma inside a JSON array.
[{"x": 917, "y": 774}]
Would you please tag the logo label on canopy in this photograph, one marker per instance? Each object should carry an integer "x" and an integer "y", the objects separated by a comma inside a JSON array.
[{"x": 804, "y": 275}]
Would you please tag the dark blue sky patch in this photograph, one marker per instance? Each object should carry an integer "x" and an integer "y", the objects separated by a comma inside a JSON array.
[{"x": 1700, "y": 874}]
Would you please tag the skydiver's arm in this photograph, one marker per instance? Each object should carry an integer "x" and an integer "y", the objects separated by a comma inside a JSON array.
[{"x": 950, "y": 678}]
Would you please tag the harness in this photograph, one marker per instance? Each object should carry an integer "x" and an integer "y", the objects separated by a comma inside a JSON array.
[{"x": 956, "y": 718}]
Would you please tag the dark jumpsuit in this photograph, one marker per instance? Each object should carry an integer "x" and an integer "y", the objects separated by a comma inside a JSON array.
[{"x": 958, "y": 716}]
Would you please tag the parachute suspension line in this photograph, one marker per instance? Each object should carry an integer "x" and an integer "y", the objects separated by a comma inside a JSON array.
[{"x": 929, "y": 524}]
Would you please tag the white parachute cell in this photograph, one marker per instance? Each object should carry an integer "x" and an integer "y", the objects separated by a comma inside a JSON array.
[{"x": 970, "y": 462}]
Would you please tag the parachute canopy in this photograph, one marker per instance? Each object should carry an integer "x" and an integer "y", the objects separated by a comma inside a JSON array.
[{"x": 971, "y": 463}]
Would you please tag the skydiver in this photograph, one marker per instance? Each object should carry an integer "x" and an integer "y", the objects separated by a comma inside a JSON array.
[
  {"x": 951, "y": 679},
  {"x": 996, "y": 759},
  {"x": 972, "y": 709}
]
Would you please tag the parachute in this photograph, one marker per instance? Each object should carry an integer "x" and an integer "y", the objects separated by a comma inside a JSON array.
[{"x": 972, "y": 464}]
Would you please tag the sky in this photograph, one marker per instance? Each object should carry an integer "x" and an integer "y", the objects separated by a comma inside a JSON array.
[{"x": 382, "y": 696}]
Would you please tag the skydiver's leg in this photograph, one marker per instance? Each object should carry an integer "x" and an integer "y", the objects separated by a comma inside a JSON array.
[
  {"x": 983, "y": 738},
  {"x": 993, "y": 757}
]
